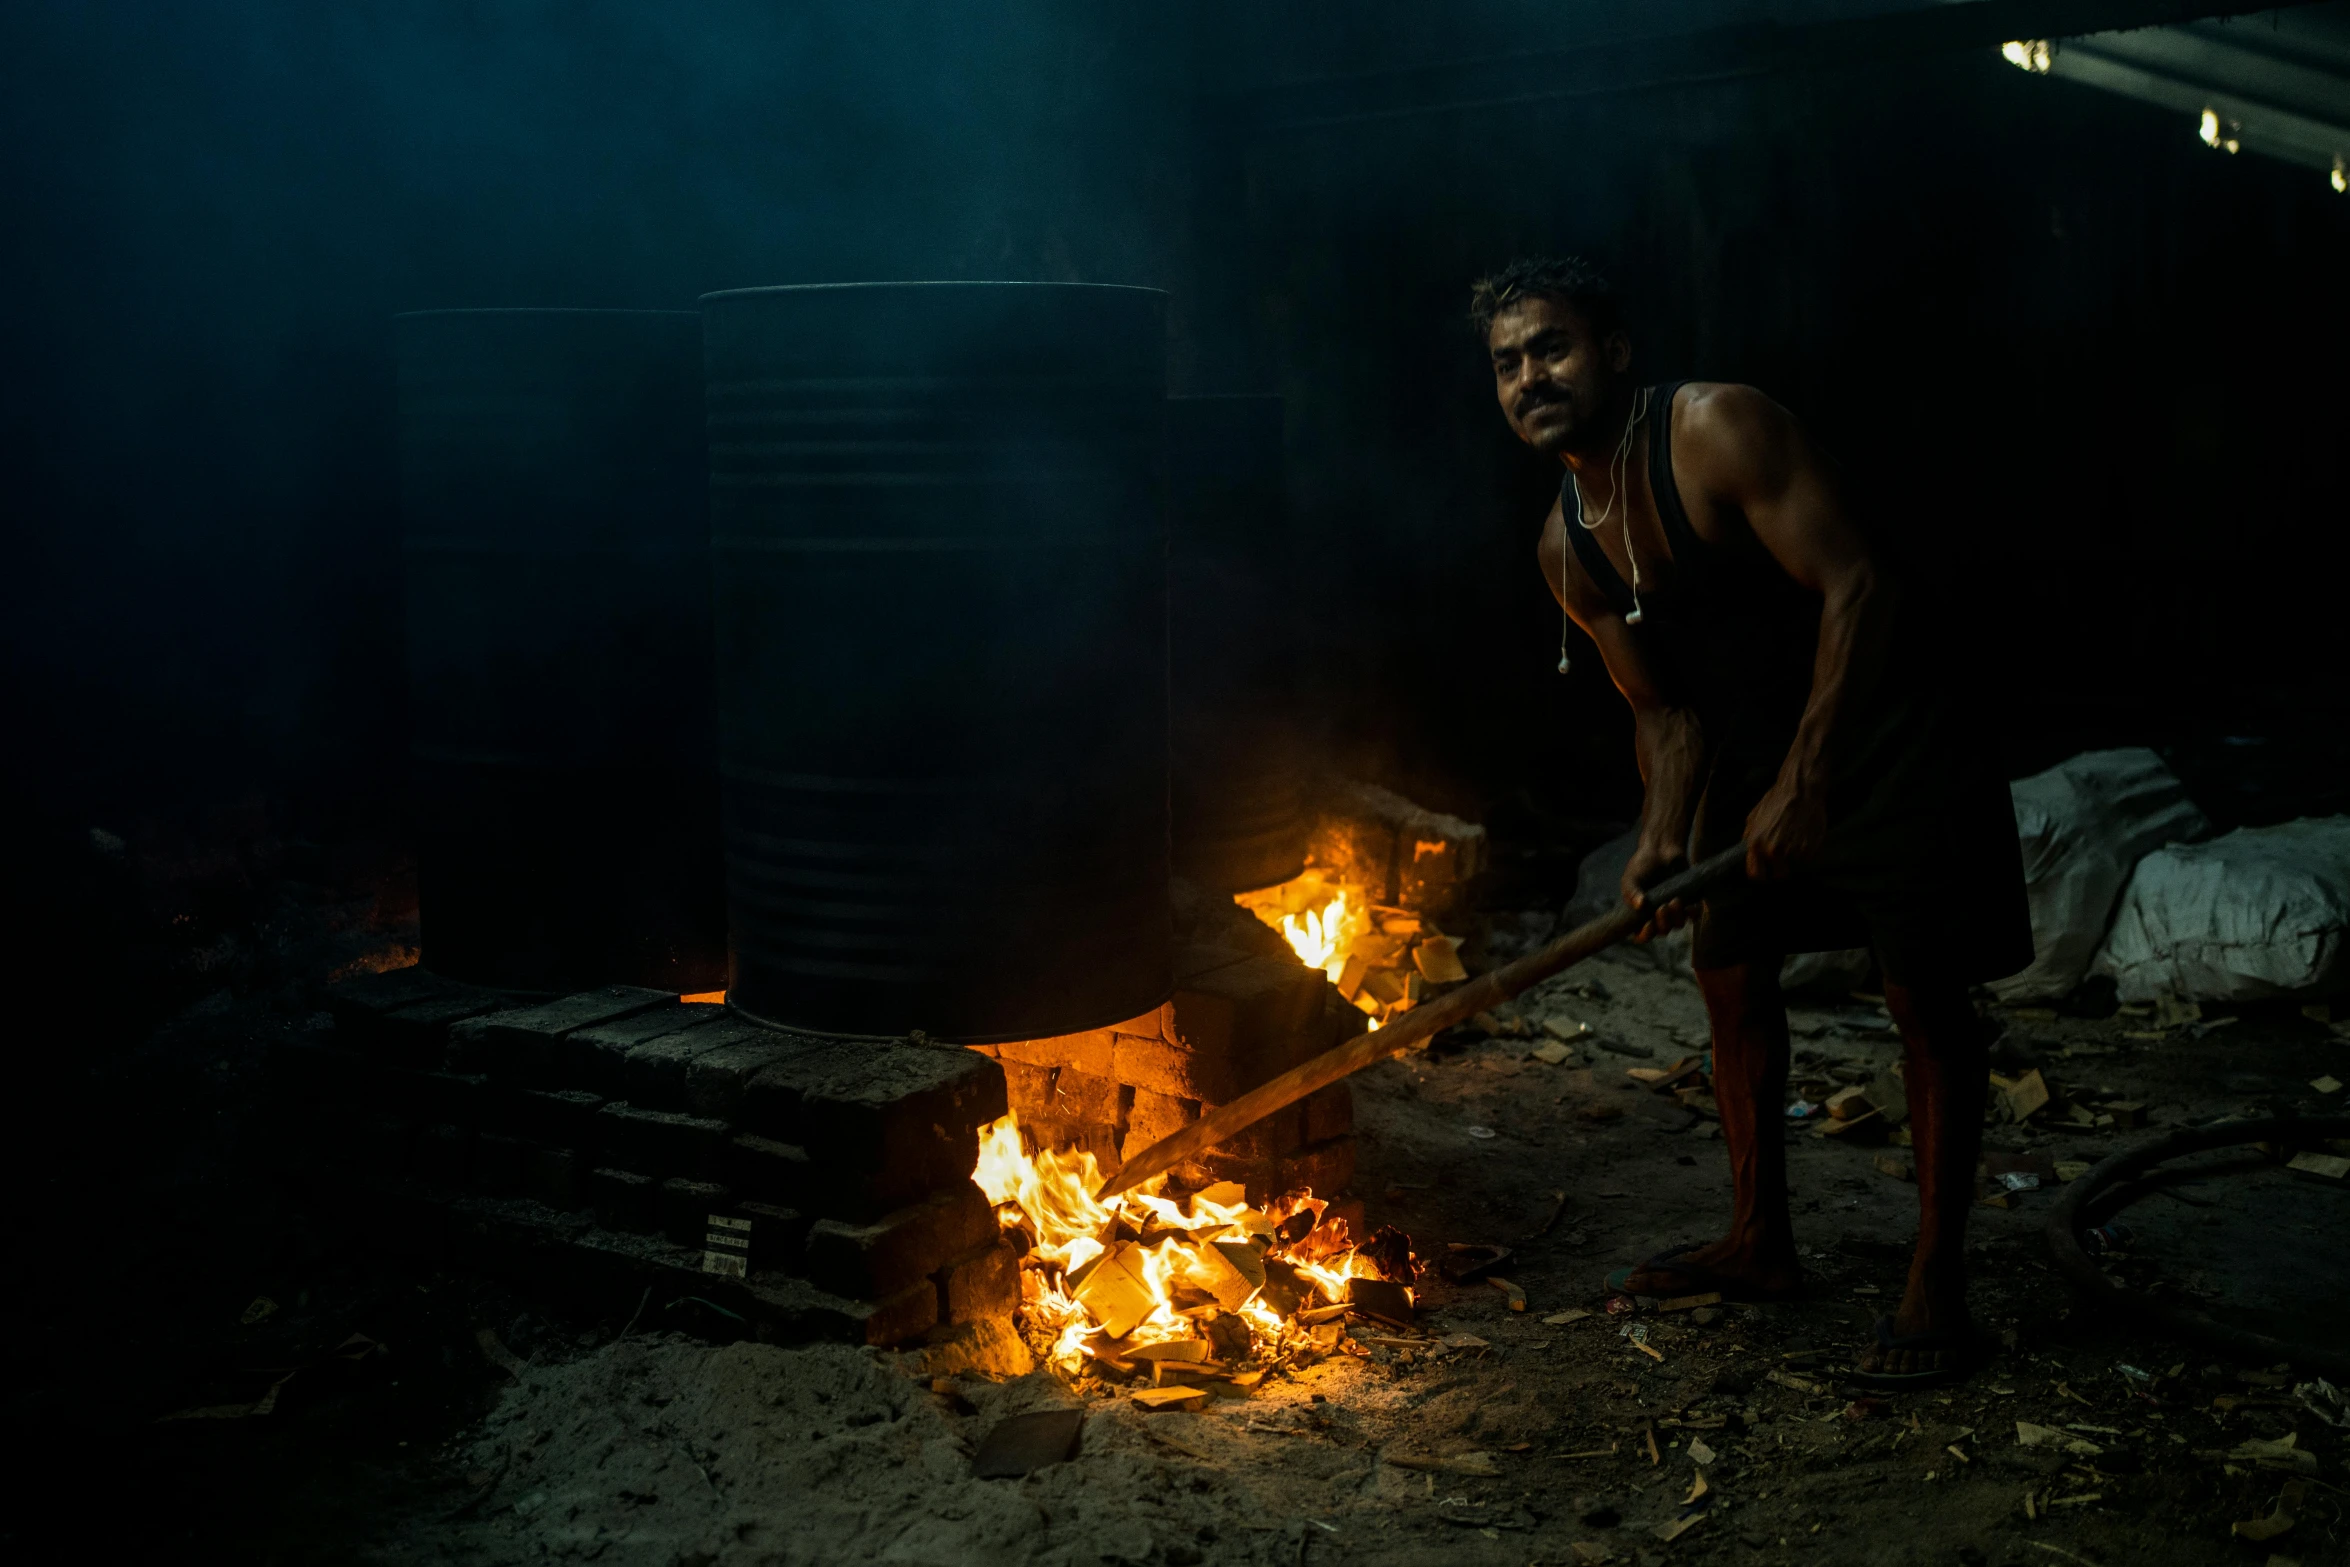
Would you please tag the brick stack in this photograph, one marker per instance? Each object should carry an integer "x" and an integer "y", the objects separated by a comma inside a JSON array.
[
  {"x": 1401, "y": 854},
  {"x": 1244, "y": 1010},
  {"x": 622, "y": 1140}
]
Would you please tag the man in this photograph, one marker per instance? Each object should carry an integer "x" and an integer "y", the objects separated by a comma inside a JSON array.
[{"x": 1782, "y": 691}]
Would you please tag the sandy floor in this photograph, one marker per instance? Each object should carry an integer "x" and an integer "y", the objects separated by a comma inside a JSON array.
[{"x": 662, "y": 1450}]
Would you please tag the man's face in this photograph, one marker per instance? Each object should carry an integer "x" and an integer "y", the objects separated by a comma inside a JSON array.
[{"x": 1551, "y": 376}]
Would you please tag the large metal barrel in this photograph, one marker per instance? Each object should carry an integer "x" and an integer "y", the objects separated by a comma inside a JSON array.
[
  {"x": 557, "y": 549},
  {"x": 1234, "y": 591},
  {"x": 938, "y": 524}
]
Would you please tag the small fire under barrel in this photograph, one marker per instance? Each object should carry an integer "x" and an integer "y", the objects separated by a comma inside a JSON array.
[
  {"x": 557, "y": 555},
  {"x": 1239, "y": 795},
  {"x": 937, "y": 516}
]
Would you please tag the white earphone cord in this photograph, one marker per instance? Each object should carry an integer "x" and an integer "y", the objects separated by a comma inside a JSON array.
[{"x": 1619, "y": 468}]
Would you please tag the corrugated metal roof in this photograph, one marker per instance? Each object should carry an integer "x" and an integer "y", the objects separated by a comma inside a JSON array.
[{"x": 2275, "y": 83}]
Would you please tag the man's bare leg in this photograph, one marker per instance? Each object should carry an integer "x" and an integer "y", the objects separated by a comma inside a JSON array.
[
  {"x": 1749, "y": 1019},
  {"x": 1945, "y": 1064}
]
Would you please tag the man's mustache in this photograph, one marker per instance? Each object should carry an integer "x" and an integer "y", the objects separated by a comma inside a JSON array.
[{"x": 1540, "y": 399}]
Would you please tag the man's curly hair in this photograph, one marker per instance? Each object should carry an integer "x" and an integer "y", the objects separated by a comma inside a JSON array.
[{"x": 1568, "y": 279}]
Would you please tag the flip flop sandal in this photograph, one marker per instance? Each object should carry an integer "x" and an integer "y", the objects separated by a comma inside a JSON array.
[
  {"x": 1702, "y": 1280},
  {"x": 1963, "y": 1353}
]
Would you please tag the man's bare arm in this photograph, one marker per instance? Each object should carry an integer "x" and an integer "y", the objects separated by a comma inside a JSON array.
[
  {"x": 1747, "y": 453},
  {"x": 1666, "y": 736}
]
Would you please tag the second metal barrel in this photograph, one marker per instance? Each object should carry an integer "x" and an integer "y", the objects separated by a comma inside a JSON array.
[
  {"x": 937, "y": 517},
  {"x": 1240, "y": 816},
  {"x": 558, "y": 604}
]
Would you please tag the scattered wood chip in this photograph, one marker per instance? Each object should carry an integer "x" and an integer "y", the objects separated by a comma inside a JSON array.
[
  {"x": 1867, "y": 1123},
  {"x": 1516, "y": 1295},
  {"x": 2284, "y": 1453},
  {"x": 2279, "y": 1519},
  {"x": 1171, "y": 1349},
  {"x": 2028, "y": 1096},
  {"x": 1677, "y": 1527},
  {"x": 1020, "y": 1444},
  {"x": 1170, "y": 1397},
  {"x": 1789, "y": 1379},
  {"x": 2325, "y": 1166},
  {"x": 1438, "y": 960},
  {"x": 1559, "y": 1319},
  {"x": 499, "y": 1355},
  {"x": 1477, "y": 1465},
  {"x": 2028, "y": 1434}
]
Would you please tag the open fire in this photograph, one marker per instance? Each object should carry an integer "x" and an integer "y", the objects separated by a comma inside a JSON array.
[
  {"x": 1235, "y": 1285},
  {"x": 1383, "y": 960}
]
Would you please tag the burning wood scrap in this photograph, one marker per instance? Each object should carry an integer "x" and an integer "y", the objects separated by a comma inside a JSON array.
[
  {"x": 1384, "y": 959},
  {"x": 1181, "y": 1293}
]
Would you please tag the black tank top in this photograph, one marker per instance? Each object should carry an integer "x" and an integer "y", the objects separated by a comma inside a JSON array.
[{"x": 1733, "y": 635}]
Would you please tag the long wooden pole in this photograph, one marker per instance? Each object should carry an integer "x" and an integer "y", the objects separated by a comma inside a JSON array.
[{"x": 1421, "y": 1023}]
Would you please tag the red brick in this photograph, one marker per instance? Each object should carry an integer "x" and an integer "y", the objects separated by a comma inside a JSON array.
[
  {"x": 1144, "y": 1025},
  {"x": 1028, "y": 1090},
  {"x": 909, "y": 1313},
  {"x": 1096, "y": 1138},
  {"x": 1154, "y": 1065},
  {"x": 1329, "y": 1112},
  {"x": 875, "y": 1261},
  {"x": 982, "y": 1284},
  {"x": 1088, "y": 1052},
  {"x": 1275, "y": 1137},
  {"x": 1233, "y": 1029},
  {"x": 1081, "y": 1096},
  {"x": 1155, "y": 1116},
  {"x": 1327, "y": 1167}
]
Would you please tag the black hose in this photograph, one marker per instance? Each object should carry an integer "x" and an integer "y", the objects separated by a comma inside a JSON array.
[{"x": 2064, "y": 1239}]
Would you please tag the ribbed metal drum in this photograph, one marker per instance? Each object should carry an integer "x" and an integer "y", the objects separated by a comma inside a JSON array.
[
  {"x": 557, "y": 549},
  {"x": 1240, "y": 818},
  {"x": 937, "y": 517}
]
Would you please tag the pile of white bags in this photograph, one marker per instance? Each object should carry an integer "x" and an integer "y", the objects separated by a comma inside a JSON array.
[
  {"x": 2084, "y": 824},
  {"x": 2259, "y": 913},
  {"x": 2121, "y": 884}
]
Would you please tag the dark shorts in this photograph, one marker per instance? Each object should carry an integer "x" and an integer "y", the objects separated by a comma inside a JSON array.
[{"x": 1922, "y": 864}]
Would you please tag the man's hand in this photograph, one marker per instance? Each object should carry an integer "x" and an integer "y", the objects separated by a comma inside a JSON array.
[
  {"x": 1785, "y": 830},
  {"x": 1651, "y": 863}
]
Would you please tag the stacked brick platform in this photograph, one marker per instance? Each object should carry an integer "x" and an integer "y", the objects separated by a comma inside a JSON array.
[
  {"x": 618, "y": 1141},
  {"x": 1244, "y": 1010}
]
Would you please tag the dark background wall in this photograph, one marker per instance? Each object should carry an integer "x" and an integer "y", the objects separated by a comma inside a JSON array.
[
  {"x": 2082, "y": 370},
  {"x": 217, "y": 206}
]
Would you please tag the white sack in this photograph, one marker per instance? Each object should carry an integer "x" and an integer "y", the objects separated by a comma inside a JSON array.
[
  {"x": 2260, "y": 912},
  {"x": 2084, "y": 824}
]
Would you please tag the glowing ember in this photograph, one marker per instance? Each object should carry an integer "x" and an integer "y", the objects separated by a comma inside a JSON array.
[{"x": 1106, "y": 1279}]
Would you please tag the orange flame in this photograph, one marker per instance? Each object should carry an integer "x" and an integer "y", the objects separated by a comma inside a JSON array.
[{"x": 1133, "y": 1284}]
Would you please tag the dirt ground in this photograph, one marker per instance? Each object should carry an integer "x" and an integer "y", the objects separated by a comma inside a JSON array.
[{"x": 1521, "y": 1441}]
